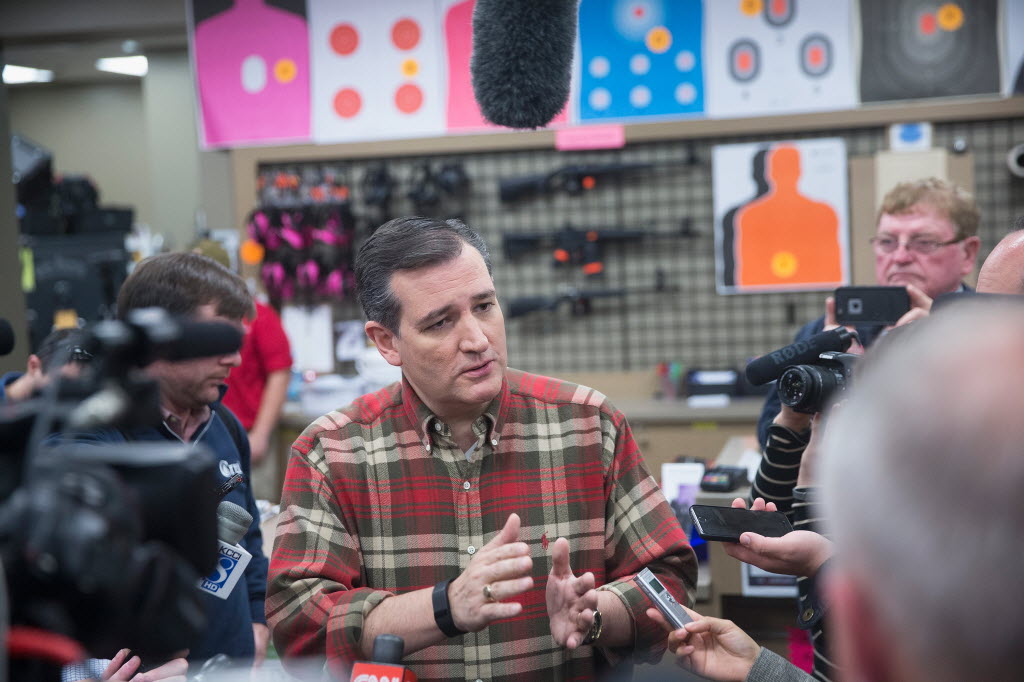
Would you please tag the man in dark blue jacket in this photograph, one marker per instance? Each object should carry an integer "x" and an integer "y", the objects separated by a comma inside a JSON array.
[
  {"x": 191, "y": 285},
  {"x": 926, "y": 240}
]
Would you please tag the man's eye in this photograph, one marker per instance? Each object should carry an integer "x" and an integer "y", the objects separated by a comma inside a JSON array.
[{"x": 483, "y": 307}]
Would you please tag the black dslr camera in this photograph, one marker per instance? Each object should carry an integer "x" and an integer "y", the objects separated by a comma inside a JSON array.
[{"x": 809, "y": 388}]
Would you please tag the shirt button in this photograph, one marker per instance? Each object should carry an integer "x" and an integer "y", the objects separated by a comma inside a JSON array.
[
  {"x": 471, "y": 550},
  {"x": 494, "y": 441},
  {"x": 465, "y": 485}
]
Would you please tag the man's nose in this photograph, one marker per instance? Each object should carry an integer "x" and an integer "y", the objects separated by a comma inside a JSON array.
[
  {"x": 232, "y": 359},
  {"x": 903, "y": 252},
  {"x": 473, "y": 339}
]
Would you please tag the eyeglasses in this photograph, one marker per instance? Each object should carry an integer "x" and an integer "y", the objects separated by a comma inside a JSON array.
[{"x": 916, "y": 245}]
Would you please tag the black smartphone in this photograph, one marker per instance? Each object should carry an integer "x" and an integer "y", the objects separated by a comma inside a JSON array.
[
  {"x": 871, "y": 305},
  {"x": 726, "y": 524}
]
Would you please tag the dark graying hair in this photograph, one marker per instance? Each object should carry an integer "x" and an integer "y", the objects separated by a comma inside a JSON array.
[
  {"x": 407, "y": 244},
  {"x": 182, "y": 282}
]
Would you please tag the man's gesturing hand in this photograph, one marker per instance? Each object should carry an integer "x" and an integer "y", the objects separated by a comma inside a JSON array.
[
  {"x": 571, "y": 600},
  {"x": 503, "y": 566}
]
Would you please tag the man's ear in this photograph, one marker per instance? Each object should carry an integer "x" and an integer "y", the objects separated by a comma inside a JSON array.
[
  {"x": 971, "y": 247},
  {"x": 384, "y": 339},
  {"x": 860, "y": 642},
  {"x": 34, "y": 366}
]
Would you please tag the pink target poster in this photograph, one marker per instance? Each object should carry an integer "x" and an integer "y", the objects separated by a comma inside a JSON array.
[
  {"x": 378, "y": 70},
  {"x": 251, "y": 65},
  {"x": 767, "y": 57}
]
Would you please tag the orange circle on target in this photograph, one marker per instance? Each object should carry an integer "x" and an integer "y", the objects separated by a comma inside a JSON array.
[
  {"x": 285, "y": 70},
  {"x": 408, "y": 98},
  {"x": 751, "y": 7},
  {"x": 659, "y": 39},
  {"x": 405, "y": 34},
  {"x": 344, "y": 39},
  {"x": 347, "y": 103},
  {"x": 783, "y": 264},
  {"x": 950, "y": 16},
  {"x": 410, "y": 67}
]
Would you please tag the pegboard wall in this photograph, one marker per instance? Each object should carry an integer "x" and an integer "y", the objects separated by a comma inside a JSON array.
[{"x": 689, "y": 322}]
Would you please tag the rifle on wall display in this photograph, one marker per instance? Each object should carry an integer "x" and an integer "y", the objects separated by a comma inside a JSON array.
[
  {"x": 580, "y": 301},
  {"x": 576, "y": 179},
  {"x": 585, "y": 248}
]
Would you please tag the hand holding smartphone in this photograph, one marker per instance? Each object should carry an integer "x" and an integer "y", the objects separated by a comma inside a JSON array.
[
  {"x": 726, "y": 524},
  {"x": 871, "y": 305}
]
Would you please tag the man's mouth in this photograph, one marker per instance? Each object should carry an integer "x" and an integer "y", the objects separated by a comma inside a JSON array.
[{"x": 478, "y": 369}]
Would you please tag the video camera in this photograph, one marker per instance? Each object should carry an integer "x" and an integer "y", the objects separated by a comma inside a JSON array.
[
  {"x": 809, "y": 388},
  {"x": 809, "y": 372},
  {"x": 103, "y": 543}
]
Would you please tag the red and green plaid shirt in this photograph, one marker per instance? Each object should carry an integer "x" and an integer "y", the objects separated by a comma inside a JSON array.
[{"x": 379, "y": 500}]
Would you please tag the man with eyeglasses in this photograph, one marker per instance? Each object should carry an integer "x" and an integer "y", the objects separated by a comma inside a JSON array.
[{"x": 927, "y": 240}]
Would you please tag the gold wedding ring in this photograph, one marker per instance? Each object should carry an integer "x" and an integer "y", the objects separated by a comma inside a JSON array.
[{"x": 489, "y": 594}]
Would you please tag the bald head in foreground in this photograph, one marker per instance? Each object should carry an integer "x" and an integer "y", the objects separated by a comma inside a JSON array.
[
  {"x": 922, "y": 478},
  {"x": 1003, "y": 270}
]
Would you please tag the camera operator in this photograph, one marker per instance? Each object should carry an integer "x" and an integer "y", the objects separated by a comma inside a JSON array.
[
  {"x": 191, "y": 285},
  {"x": 61, "y": 349},
  {"x": 926, "y": 240}
]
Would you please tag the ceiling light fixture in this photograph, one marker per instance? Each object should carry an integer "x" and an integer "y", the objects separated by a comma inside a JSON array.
[
  {"x": 130, "y": 66},
  {"x": 14, "y": 75}
]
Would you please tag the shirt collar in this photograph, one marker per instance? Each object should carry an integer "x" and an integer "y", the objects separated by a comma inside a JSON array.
[{"x": 419, "y": 414}]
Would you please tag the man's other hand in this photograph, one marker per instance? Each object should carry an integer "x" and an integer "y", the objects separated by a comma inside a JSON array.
[
  {"x": 503, "y": 566},
  {"x": 571, "y": 600}
]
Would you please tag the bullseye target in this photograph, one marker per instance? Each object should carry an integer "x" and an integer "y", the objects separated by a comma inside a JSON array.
[
  {"x": 744, "y": 60},
  {"x": 923, "y": 48},
  {"x": 816, "y": 55},
  {"x": 779, "y": 13}
]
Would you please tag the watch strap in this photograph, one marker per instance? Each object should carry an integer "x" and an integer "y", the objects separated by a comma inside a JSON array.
[{"x": 443, "y": 610}]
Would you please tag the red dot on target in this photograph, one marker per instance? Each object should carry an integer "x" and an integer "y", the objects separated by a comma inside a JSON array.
[
  {"x": 347, "y": 103},
  {"x": 780, "y": 7},
  {"x": 408, "y": 98},
  {"x": 928, "y": 23},
  {"x": 344, "y": 39},
  {"x": 744, "y": 61},
  {"x": 816, "y": 55},
  {"x": 638, "y": 12},
  {"x": 405, "y": 34}
]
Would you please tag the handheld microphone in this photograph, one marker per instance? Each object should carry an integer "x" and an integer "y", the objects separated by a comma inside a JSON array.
[
  {"x": 6, "y": 337},
  {"x": 386, "y": 665},
  {"x": 769, "y": 367},
  {"x": 232, "y": 559},
  {"x": 522, "y": 59}
]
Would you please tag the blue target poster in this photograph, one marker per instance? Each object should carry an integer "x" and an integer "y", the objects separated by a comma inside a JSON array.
[{"x": 639, "y": 59}]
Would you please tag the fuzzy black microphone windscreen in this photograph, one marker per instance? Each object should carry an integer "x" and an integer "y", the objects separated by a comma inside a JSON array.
[{"x": 522, "y": 59}]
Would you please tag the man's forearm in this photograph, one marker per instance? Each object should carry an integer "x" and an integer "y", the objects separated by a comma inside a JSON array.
[
  {"x": 274, "y": 393},
  {"x": 409, "y": 616}
]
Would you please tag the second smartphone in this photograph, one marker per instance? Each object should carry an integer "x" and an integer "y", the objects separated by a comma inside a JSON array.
[{"x": 726, "y": 524}]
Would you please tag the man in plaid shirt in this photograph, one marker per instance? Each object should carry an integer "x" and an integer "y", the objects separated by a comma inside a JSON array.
[{"x": 471, "y": 509}]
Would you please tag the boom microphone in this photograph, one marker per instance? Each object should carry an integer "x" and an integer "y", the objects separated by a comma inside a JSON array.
[
  {"x": 202, "y": 339},
  {"x": 522, "y": 59},
  {"x": 232, "y": 524},
  {"x": 6, "y": 337},
  {"x": 770, "y": 366}
]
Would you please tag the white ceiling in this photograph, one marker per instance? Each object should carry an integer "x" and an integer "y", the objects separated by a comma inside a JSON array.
[{"x": 68, "y": 36}]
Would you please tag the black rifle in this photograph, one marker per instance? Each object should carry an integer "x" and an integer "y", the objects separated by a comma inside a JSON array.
[
  {"x": 581, "y": 247},
  {"x": 578, "y": 178},
  {"x": 579, "y": 300}
]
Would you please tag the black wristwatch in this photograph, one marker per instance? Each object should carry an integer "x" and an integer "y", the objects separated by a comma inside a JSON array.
[
  {"x": 595, "y": 629},
  {"x": 443, "y": 610}
]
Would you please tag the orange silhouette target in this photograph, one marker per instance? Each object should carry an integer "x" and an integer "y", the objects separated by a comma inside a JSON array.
[{"x": 782, "y": 237}]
